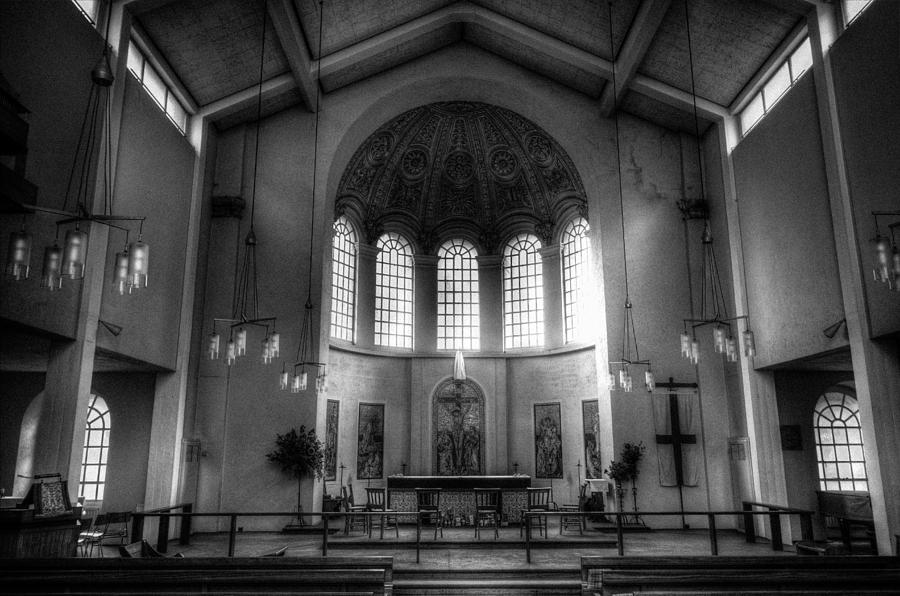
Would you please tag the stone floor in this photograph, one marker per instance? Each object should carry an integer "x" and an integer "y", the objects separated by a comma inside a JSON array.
[{"x": 458, "y": 549}]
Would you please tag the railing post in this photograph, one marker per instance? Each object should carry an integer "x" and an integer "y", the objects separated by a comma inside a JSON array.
[
  {"x": 620, "y": 534},
  {"x": 806, "y": 526},
  {"x": 325, "y": 534},
  {"x": 231, "y": 535},
  {"x": 419, "y": 533},
  {"x": 749, "y": 523},
  {"x": 184, "y": 536},
  {"x": 137, "y": 527},
  {"x": 527, "y": 537},
  {"x": 713, "y": 540},
  {"x": 162, "y": 534},
  {"x": 775, "y": 527}
]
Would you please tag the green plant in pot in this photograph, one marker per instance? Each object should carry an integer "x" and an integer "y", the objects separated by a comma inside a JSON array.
[{"x": 299, "y": 454}]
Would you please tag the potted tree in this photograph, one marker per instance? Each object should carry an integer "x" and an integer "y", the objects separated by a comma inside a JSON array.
[{"x": 299, "y": 454}]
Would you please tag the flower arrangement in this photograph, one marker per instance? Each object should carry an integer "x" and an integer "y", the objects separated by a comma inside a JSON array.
[{"x": 299, "y": 454}]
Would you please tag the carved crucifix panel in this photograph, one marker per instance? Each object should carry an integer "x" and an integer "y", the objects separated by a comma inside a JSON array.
[{"x": 458, "y": 429}]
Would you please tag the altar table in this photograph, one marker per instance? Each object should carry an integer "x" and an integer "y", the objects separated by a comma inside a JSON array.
[{"x": 457, "y": 494}]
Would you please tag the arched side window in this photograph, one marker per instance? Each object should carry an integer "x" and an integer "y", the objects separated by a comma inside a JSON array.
[
  {"x": 576, "y": 271},
  {"x": 96, "y": 450},
  {"x": 458, "y": 321},
  {"x": 523, "y": 293},
  {"x": 839, "y": 445},
  {"x": 343, "y": 280},
  {"x": 394, "y": 292}
]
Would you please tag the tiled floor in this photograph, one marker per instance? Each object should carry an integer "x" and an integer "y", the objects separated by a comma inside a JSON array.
[{"x": 458, "y": 550}]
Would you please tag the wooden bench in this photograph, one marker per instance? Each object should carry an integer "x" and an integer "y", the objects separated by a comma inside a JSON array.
[
  {"x": 739, "y": 575},
  {"x": 171, "y": 576}
]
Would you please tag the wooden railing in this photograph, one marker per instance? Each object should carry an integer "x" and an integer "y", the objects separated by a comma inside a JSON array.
[
  {"x": 162, "y": 534},
  {"x": 775, "y": 512}
]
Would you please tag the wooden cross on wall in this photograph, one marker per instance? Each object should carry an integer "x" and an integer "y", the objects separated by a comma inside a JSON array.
[{"x": 676, "y": 439}]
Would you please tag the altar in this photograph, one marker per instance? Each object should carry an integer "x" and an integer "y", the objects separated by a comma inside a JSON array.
[{"x": 458, "y": 496}]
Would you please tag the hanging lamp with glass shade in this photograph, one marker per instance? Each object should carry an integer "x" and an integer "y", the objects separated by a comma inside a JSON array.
[
  {"x": 70, "y": 260},
  {"x": 713, "y": 307},
  {"x": 245, "y": 313},
  {"x": 297, "y": 380},
  {"x": 886, "y": 257},
  {"x": 620, "y": 371}
]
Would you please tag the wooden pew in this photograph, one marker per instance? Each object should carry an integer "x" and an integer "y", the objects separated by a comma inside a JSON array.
[
  {"x": 739, "y": 575},
  {"x": 171, "y": 576}
]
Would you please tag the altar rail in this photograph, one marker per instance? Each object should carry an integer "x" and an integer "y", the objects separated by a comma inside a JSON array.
[
  {"x": 162, "y": 534},
  {"x": 710, "y": 516}
]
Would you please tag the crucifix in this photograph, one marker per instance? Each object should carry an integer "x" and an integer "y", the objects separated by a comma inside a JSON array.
[{"x": 676, "y": 439}]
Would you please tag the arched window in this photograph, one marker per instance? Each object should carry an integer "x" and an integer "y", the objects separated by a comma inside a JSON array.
[
  {"x": 343, "y": 279},
  {"x": 394, "y": 292},
  {"x": 523, "y": 293},
  {"x": 576, "y": 271},
  {"x": 839, "y": 445},
  {"x": 457, "y": 315},
  {"x": 96, "y": 450}
]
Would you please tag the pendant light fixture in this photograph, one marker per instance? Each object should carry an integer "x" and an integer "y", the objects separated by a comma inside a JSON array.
[
  {"x": 886, "y": 262},
  {"x": 70, "y": 260},
  {"x": 298, "y": 378},
  {"x": 713, "y": 308},
  {"x": 245, "y": 301},
  {"x": 620, "y": 370}
]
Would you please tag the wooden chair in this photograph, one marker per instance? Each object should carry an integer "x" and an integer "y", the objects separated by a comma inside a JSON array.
[
  {"x": 376, "y": 500},
  {"x": 428, "y": 501},
  {"x": 92, "y": 528},
  {"x": 538, "y": 500},
  {"x": 487, "y": 509},
  {"x": 567, "y": 522},
  {"x": 116, "y": 528},
  {"x": 352, "y": 522}
]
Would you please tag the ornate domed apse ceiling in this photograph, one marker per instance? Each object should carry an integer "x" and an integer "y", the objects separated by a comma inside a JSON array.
[{"x": 460, "y": 168}]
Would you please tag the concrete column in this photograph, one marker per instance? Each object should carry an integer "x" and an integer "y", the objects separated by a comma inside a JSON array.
[
  {"x": 365, "y": 295},
  {"x": 554, "y": 322},
  {"x": 490, "y": 302},
  {"x": 876, "y": 365},
  {"x": 425, "y": 314}
]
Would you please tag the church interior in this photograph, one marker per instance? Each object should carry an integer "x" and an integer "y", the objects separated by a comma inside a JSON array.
[{"x": 641, "y": 255}]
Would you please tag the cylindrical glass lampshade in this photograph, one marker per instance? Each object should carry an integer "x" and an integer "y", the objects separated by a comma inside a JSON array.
[
  {"x": 304, "y": 378},
  {"x": 623, "y": 375},
  {"x": 121, "y": 281},
  {"x": 685, "y": 345},
  {"x": 230, "y": 352},
  {"x": 628, "y": 387},
  {"x": 275, "y": 344},
  {"x": 138, "y": 264},
  {"x": 18, "y": 259},
  {"x": 731, "y": 349},
  {"x": 51, "y": 275},
  {"x": 612, "y": 380},
  {"x": 895, "y": 267},
  {"x": 266, "y": 351},
  {"x": 881, "y": 267},
  {"x": 719, "y": 339},
  {"x": 284, "y": 381},
  {"x": 695, "y": 351},
  {"x": 749, "y": 344},
  {"x": 74, "y": 254},
  {"x": 213, "y": 345},
  {"x": 241, "y": 340},
  {"x": 295, "y": 384},
  {"x": 321, "y": 383},
  {"x": 649, "y": 381}
]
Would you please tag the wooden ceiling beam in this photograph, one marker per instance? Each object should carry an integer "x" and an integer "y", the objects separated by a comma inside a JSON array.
[
  {"x": 643, "y": 29},
  {"x": 677, "y": 98},
  {"x": 293, "y": 44},
  {"x": 274, "y": 87}
]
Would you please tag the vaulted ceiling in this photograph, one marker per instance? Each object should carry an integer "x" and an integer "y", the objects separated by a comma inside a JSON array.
[{"x": 213, "y": 46}]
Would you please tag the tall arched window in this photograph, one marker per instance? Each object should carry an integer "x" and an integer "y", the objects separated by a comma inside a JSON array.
[
  {"x": 457, "y": 316},
  {"x": 394, "y": 292},
  {"x": 523, "y": 293},
  {"x": 576, "y": 271},
  {"x": 839, "y": 445},
  {"x": 343, "y": 279},
  {"x": 96, "y": 450}
]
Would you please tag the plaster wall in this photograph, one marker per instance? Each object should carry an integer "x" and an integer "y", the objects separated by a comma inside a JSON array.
[
  {"x": 19, "y": 389},
  {"x": 867, "y": 88},
  {"x": 790, "y": 260}
]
